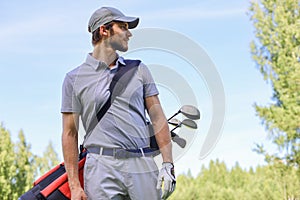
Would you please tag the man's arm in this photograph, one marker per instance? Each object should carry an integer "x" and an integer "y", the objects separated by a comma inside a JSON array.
[
  {"x": 70, "y": 153},
  {"x": 160, "y": 126},
  {"x": 166, "y": 175}
]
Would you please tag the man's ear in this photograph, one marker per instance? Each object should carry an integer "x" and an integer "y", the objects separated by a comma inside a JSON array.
[{"x": 103, "y": 31}]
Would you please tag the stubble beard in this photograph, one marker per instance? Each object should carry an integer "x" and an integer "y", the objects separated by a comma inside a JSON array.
[
  {"x": 118, "y": 43},
  {"x": 119, "y": 46}
]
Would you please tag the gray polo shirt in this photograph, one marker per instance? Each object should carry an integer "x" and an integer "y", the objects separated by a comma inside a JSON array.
[{"x": 86, "y": 89}]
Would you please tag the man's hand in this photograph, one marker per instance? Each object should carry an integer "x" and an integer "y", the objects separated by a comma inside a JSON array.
[
  {"x": 167, "y": 177},
  {"x": 77, "y": 193}
]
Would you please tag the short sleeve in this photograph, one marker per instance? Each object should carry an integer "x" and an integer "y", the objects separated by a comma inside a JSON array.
[
  {"x": 149, "y": 85},
  {"x": 70, "y": 101}
]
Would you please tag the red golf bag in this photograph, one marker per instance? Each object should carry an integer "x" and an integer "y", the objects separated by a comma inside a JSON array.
[{"x": 54, "y": 184}]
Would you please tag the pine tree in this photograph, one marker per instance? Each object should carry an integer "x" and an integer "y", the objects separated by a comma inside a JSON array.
[
  {"x": 47, "y": 161},
  {"x": 276, "y": 51},
  {"x": 7, "y": 165},
  {"x": 25, "y": 165}
]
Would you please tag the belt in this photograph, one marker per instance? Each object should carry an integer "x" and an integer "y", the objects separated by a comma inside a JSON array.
[{"x": 120, "y": 153}]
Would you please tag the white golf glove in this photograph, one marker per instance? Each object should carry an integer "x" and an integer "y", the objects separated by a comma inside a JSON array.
[{"x": 166, "y": 176}]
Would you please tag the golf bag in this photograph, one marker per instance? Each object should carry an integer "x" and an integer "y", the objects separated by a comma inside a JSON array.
[{"x": 54, "y": 184}]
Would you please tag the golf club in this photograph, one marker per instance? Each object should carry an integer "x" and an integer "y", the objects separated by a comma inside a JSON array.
[
  {"x": 177, "y": 123},
  {"x": 176, "y": 138},
  {"x": 189, "y": 111},
  {"x": 174, "y": 121},
  {"x": 187, "y": 122},
  {"x": 180, "y": 141}
]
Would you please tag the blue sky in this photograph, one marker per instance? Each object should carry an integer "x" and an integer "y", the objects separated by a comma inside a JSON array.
[{"x": 41, "y": 41}]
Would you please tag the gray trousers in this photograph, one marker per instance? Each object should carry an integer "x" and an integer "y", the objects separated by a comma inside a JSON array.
[{"x": 118, "y": 179}]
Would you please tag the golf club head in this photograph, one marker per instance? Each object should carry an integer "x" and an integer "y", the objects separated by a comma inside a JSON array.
[
  {"x": 190, "y": 112},
  {"x": 180, "y": 141},
  {"x": 174, "y": 122},
  {"x": 189, "y": 123}
]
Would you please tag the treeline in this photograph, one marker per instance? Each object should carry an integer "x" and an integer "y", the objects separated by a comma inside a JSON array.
[
  {"x": 271, "y": 182},
  {"x": 19, "y": 167}
]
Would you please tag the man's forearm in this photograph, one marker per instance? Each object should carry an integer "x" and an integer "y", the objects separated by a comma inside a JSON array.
[
  {"x": 166, "y": 152},
  {"x": 163, "y": 138},
  {"x": 161, "y": 127},
  {"x": 70, "y": 153}
]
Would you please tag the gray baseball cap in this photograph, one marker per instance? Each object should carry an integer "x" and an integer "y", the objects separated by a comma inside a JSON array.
[{"x": 108, "y": 14}]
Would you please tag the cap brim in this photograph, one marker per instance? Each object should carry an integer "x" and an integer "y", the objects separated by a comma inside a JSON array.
[{"x": 132, "y": 21}]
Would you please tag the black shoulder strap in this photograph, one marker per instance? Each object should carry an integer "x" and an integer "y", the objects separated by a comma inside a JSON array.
[
  {"x": 119, "y": 83},
  {"x": 116, "y": 87}
]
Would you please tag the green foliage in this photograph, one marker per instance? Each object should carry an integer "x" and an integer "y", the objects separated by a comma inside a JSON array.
[
  {"x": 23, "y": 163},
  {"x": 8, "y": 168},
  {"x": 220, "y": 183},
  {"x": 276, "y": 52},
  {"x": 19, "y": 167},
  {"x": 47, "y": 161}
]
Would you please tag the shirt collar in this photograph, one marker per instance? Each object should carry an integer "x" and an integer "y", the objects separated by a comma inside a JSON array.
[
  {"x": 96, "y": 64},
  {"x": 121, "y": 60}
]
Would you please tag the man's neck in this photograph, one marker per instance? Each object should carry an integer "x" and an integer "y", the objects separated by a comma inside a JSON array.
[{"x": 107, "y": 55}]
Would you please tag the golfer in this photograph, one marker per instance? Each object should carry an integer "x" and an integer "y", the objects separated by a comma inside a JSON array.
[{"x": 118, "y": 165}]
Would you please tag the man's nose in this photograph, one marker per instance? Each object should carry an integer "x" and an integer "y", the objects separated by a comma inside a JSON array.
[{"x": 129, "y": 34}]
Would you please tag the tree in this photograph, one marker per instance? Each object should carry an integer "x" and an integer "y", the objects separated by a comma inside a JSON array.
[
  {"x": 7, "y": 165},
  {"x": 47, "y": 161},
  {"x": 276, "y": 52},
  {"x": 24, "y": 165},
  {"x": 219, "y": 182},
  {"x": 19, "y": 167}
]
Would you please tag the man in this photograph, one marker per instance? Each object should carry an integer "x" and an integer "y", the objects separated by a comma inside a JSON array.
[{"x": 123, "y": 127}]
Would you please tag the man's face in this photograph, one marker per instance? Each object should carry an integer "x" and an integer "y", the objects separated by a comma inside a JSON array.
[{"x": 120, "y": 36}]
